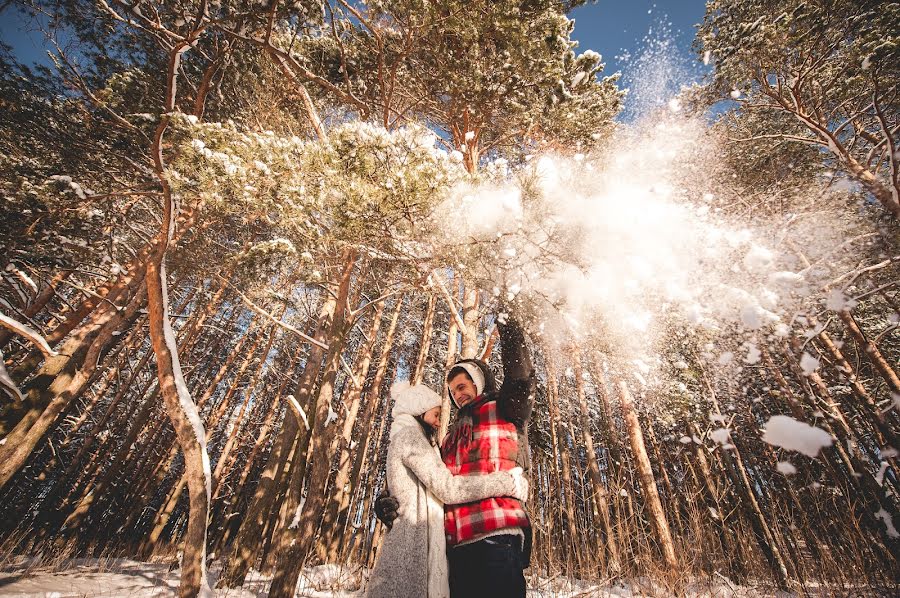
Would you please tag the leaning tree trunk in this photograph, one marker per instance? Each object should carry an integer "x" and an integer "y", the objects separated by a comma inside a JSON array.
[
  {"x": 250, "y": 536},
  {"x": 882, "y": 366},
  {"x": 365, "y": 444},
  {"x": 342, "y": 477},
  {"x": 39, "y": 301},
  {"x": 294, "y": 543},
  {"x": 165, "y": 513},
  {"x": 71, "y": 379},
  {"x": 648, "y": 482},
  {"x": 188, "y": 428}
]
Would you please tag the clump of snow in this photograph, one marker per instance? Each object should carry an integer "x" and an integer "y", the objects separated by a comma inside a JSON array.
[
  {"x": 837, "y": 301},
  {"x": 721, "y": 436},
  {"x": 888, "y": 523},
  {"x": 75, "y": 187},
  {"x": 786, "y": 279},
  {"x": 332, "y": 416},
  {"x": 808, "y": 363},
  {"x": 753, "y": 354},
  {"x": 758, "y": 258},
  {"x": 882, "y": 469},
  {"x": 788, "y": 433},
  {"x": 786, "y": 468}
]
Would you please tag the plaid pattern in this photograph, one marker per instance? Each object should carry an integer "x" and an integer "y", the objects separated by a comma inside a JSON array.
[{"x": 491, "y": 445}]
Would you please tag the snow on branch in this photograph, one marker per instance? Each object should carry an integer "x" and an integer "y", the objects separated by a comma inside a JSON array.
[
  {"x": 35, "y": 337},
  {"x": 292, "y": 401},
  {"x": 6, "y": 381}
]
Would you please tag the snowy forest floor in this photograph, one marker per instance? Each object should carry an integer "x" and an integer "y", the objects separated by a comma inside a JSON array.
[{"x": 126, "y": 578}]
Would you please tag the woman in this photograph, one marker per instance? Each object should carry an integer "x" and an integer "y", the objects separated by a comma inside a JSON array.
[{"x": 413, "y": 559}]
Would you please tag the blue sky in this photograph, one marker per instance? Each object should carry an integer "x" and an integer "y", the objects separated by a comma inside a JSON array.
[
  {"x": 21, "y": 34},
  {"x": 648, "y": 41}
]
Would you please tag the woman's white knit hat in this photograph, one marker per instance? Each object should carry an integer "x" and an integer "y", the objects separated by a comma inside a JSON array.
[{"x": 413, "y": 400}]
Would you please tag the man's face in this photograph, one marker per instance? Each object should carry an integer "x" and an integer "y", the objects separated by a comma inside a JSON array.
[{"x": 462, "y": 389}]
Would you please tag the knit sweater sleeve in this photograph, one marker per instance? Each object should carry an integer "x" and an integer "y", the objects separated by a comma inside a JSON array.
[
  {"x": 451, "y": 489},
  {"x": 516, "y": 396}
]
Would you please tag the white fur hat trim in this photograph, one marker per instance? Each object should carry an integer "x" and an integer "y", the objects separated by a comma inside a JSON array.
[{"x": 413, "y": 400}]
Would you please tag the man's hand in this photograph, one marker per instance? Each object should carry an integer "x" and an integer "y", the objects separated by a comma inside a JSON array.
[{"x": 386, "y": 507}]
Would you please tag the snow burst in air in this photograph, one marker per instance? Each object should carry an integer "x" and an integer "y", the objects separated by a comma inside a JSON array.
[
  {"x": 722, "y": 436},
  {"x": 656, "y": 72},
  {"x": 625, "y": 245},
  {"x": 630, "y": 243}
]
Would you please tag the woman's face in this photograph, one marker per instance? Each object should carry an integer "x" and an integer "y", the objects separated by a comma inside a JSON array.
[{"x": 432, "y": 417}]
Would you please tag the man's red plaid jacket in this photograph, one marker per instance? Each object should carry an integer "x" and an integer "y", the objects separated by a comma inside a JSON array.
[
  {"x": 489, "y": 444},
  {"x": 488, "y": 435}
]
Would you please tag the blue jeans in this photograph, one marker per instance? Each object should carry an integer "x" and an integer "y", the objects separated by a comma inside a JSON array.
[{"x": 489, "y": 568}]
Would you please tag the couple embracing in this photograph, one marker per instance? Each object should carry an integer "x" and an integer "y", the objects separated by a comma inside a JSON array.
[{"x": 459, "y": 525}]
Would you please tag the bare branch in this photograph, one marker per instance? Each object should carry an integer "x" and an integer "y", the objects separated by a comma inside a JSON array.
[
  {"x": 438, "y": 283},
  {"x": 259, "y": 310}
]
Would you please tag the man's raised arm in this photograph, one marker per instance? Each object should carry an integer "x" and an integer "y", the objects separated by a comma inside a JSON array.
[{"x": 516, "y": 396}]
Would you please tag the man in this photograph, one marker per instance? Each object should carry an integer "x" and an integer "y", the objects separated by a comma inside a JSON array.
[{"x": 489, "y": 541}]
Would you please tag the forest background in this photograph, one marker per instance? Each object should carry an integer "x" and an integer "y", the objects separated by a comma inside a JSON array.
[{"x": 229, "y": 227}]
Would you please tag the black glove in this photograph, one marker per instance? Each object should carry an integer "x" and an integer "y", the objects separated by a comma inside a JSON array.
[{"x": 386, "y": 507}]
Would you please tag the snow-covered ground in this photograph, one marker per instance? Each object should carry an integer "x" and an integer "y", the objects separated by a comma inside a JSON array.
[{"x": 131, "y": 579}]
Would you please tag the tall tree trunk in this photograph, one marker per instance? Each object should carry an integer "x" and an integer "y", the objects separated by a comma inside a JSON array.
[
  {"x": 340, "y": 488},
  {"x": 452, "y": 333},
  {"x": 599, "y": 491},
  {"x": 566, "y": 467},
  {"x": 258, "y": 446},
  {"x": 225, "y": 455},
  {"x": 369, "y": 441},
  {"x": 165, "y": 513},
  {"x": 425, "y": 344}
]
